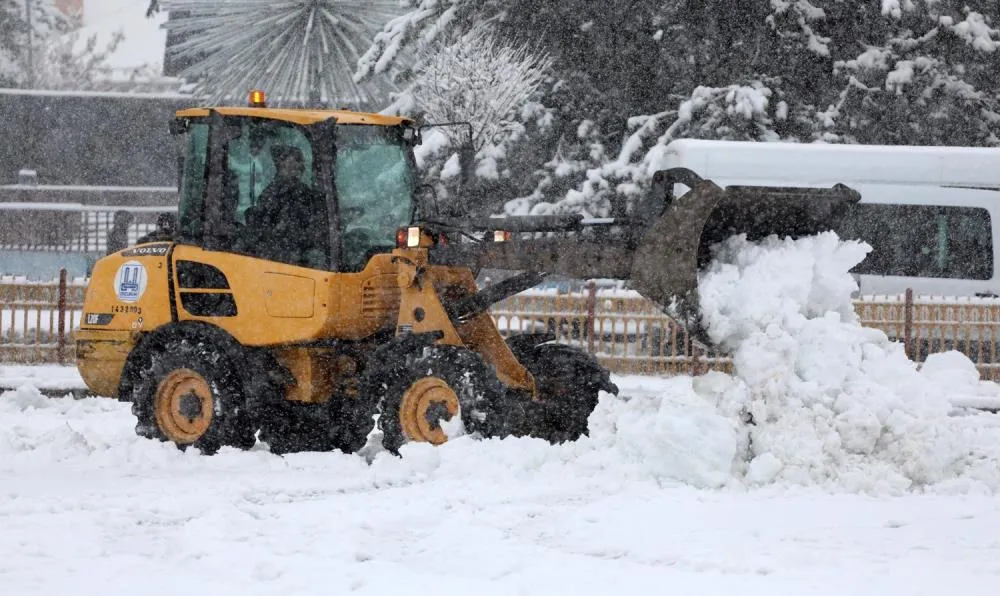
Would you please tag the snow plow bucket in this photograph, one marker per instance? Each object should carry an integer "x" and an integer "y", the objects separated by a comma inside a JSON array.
[
  {"x": 676, "y": 246},
  {"x": 659, "y": 248}
]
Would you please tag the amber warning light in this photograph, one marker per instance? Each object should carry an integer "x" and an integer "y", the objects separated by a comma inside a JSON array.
[{"x": 257, "y": 99}]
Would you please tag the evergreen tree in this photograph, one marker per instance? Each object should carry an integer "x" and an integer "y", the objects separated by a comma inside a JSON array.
[{"x": 629, "y": 77}]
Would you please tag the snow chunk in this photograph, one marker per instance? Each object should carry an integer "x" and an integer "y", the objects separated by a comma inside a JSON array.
[
  {"x": 23, "y": 398},
  {"x": 895, "y": 8},
  {"x": 676, "y": 435},
  {"x": 975, "y": 32}
]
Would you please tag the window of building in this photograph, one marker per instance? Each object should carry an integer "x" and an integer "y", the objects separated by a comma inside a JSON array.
[{"x": 922, "y": 240}]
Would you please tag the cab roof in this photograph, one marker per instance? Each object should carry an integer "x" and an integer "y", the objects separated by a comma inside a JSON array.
[{"x": 300, "y": 116}]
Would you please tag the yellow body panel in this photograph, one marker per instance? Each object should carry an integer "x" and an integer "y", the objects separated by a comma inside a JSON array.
[
  {"x": 421, "y": 310},
  {"x": 100, "y": 358},
  {"x": 279, "y": 304},
  {"x": 115, "y": 312},
  {"x": 127, "y": 295},
  {"x": 304, "y": 117},
  {"x": 133, "y": 309},
  {"x": 285, "y": 307}
]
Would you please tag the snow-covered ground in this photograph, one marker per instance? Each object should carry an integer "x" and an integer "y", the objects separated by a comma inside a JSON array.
[
  {"x": 41, "y": 376},
  {"x": 828, "y": 464},
  {"x": 88, "y": 508}
]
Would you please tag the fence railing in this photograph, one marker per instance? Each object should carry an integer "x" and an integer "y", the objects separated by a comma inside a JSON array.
[
  {"x": 37, "y": 319},
  {"x": 627, "y": 333},
  {"x": 630, "y": 335},
  {"x": 73, "y": 227}
]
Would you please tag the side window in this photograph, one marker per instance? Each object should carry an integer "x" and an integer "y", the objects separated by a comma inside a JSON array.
[
  {"x": 969, "y": 243},
  {"x": 192, "y": 191},
  {"x": 923, "y": 240},
  {"x": 374, "y": 182},
  {"x": 278, "y": 212}
]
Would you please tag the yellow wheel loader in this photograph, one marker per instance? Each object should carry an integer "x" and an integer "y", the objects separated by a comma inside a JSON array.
[{"x": 304, "y": 289}]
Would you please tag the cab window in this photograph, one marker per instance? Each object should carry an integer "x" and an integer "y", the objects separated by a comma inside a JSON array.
[
  {"x": 374, "y": 181},
  {"x": 192, "y": 190},
  {"x": 270, "y": 193}
]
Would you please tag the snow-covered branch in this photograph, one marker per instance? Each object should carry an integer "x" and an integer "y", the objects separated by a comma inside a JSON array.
[
  {"x": 478, "y": 78},
  {"x": 421, "y": 25}
]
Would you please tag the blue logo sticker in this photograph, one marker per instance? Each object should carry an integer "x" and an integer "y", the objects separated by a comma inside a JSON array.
[{"x": 130, "y": 281}]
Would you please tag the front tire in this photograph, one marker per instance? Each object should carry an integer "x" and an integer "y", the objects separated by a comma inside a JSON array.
[
  {"x": 191, "y": 393},
  {"x": 429, "y": 388}
]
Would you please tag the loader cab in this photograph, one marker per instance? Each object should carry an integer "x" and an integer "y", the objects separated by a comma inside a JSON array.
[{"x": 319, "y": 189}]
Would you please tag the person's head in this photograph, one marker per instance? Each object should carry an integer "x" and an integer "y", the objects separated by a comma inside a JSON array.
[
  {"x": 289, "y": 162},
  {"x": 123, "y": 219}
]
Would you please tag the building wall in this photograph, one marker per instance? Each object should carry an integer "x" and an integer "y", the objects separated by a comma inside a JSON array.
[
  {"x": 70, "y": 7},
  {"x": 84, "y": 138}
]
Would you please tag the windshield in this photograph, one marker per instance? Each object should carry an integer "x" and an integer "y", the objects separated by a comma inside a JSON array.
[{"x": 374, "y": 180}]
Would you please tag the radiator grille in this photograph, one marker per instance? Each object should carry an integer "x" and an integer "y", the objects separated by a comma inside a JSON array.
[{"x": 380, "y": 296}]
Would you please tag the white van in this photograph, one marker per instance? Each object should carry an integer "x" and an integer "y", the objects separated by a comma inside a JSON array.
[{"x": 931, "y": 214}]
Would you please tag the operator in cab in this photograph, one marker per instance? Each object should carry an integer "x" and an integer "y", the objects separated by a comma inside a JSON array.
[{"x": 290, "y": 217}]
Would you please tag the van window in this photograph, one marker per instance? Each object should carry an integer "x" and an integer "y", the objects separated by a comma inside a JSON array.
[{"x": 922, "y": 240}]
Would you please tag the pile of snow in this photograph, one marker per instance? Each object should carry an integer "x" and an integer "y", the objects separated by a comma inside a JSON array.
[{"x": 831, "y": 402}]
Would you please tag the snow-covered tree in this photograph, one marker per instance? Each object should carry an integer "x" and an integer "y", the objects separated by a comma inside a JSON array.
[
  {"x": 872, "y": 72},
  {"x": 300, "y": 51},
  {"x": 628, "y": 78},
  {"x": 477, "y": 77},
  {"x": 60, "y": 57},
  {"x": 419, "y": 25},
  {"x": 488, "y": 82},
  {"x": 69, "y": 62},
  {"x": 929, "y": 79},
  {"x": 19, "y": 41}
]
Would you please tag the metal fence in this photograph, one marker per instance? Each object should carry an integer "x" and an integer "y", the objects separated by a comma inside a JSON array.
[
  {"x": 627, "y": 333},
  {"x": 37, "y": 319},
  {"x": 630, "y": 335},
  {"x": 73, "y": 227}
]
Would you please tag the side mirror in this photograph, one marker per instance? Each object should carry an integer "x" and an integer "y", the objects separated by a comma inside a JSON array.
[{"x": 467, "y": 162}]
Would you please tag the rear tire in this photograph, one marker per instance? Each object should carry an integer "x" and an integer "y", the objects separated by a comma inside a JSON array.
[
  {"x": 191, "y": 393},
  {"x": 430, "y": 387},
  {"x": 569, "y": 383}
]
